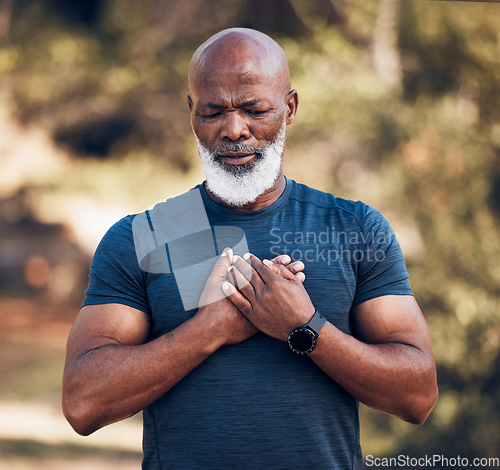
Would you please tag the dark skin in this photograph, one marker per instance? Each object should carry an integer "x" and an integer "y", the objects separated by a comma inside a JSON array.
[
  {"x": 244, "y": 102},
  {"x": 391, "y": 337},
  {"x": 388, "y": 364},
  {"x": 111, "y": 372}
]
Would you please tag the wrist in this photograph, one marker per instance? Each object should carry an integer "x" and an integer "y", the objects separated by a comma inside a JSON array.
[
  {"x": 303, "y": 339},
  {"x": 209, "y": 328}
]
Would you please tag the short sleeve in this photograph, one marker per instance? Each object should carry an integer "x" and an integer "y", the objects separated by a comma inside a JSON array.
[
  {"x": 382, "y": 269},
  {"x": 115, "y": 275}
]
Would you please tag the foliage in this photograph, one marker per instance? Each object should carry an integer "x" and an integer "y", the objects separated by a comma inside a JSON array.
[{"x": 109, "y": 86}]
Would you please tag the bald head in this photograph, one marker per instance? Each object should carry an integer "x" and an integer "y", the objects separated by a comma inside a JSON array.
[{"x": 246, "y": 52}]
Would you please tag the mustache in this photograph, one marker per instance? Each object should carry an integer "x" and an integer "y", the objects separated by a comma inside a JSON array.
[{"x": 216, "y": 151}]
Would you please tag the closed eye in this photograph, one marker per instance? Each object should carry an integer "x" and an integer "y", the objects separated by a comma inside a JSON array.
[
  {"x": 254, "y": 112},
  {"x": 211, "y": 116}
]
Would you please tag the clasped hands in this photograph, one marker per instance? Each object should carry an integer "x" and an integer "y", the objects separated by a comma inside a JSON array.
[{"x": 258, "y": 295}]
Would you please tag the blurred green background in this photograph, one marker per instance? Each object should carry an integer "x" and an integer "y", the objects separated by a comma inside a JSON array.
[{"x": 398, "y": 107}]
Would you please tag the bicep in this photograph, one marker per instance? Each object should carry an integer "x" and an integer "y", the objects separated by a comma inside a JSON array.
[
  {"x": 391, "y": 319},
  {"x": 101, "y": 325}
]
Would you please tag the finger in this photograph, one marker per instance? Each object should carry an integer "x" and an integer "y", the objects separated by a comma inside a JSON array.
[
  {"x": 264, "y": 273},
  {"x": 296, "y": 267},
  {"x": 249, "y": 256},
  {"x": 242, "y": 266},
  {"x": 279, "y": 269},
  {"x": 220, "y": 267},
  {"x": 247, "y": 270},
  {"x": 300, "y": 276},
  {"x": 282, "y": 259},
  {"x": 238, "y": 300},
  {"x": 241, "y": 283}
]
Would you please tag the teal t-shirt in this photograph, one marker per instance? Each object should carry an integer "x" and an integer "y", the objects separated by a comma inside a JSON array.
[{"x": 255, "y": 404}]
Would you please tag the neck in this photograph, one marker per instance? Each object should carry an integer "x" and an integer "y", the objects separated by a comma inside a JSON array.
[{"x": 265, "y": 199}]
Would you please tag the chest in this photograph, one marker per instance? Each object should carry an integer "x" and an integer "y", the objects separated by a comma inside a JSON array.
[{"x": 327, "y": 250}]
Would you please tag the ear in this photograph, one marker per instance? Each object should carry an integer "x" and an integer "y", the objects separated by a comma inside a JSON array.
[
  {"x": 292, "y": 103},
  {"x": 190, "y": 102}
]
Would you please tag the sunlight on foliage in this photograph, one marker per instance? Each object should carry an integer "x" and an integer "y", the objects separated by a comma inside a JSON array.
[{"x": 99, "y": 108}]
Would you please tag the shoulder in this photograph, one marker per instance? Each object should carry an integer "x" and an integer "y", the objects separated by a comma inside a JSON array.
[
  {"x": 120, "y": 230},
  {"x": 133, "y": 228},
  {"x": 357, "y": 211},
  {"x": 172, "y": 217}
]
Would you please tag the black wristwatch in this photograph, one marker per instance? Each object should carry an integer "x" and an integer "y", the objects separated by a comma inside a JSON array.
[{"x": 302, "y": 340}]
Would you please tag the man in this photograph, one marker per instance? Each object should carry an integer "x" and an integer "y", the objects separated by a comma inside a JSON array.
[{"x": 266, "y": 369}]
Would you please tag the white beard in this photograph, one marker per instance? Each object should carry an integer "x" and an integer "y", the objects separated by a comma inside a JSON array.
[{"x": 240, "y": 186}]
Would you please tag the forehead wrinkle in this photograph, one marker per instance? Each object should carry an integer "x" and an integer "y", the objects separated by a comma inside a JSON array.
[{"x": 240, "y": 95}]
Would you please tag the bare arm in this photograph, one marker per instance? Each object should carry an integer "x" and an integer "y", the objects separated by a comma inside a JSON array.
[
  {"x": 388, "y": 364},
  {"x": 111, "y": 372}
]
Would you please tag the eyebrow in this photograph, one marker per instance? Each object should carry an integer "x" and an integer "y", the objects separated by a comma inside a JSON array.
[{"x": 253, "y": 102}]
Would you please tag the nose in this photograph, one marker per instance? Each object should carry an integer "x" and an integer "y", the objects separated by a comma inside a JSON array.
[{"x": 234, "y": 127}]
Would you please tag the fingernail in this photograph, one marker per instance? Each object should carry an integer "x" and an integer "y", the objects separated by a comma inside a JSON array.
[
  {"x": 229, "y": 253},
  {"x": 246, "y": 256},
  {"x": 225, "y": 286},
  {"x": 267, "y": 263},
  {"x": 229, "y": 269}
]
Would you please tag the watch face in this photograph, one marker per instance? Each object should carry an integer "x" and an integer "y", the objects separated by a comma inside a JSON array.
[{"x": 302, "y": 340}]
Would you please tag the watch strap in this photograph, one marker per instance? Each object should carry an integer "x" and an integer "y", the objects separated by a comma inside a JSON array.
[{"x": 316, "y": 322}]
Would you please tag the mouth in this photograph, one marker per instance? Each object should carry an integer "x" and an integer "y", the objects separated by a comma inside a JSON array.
[{"x": 236, "y": 158}]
